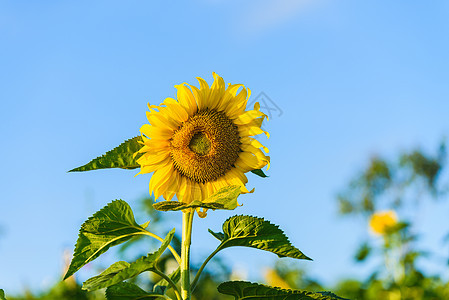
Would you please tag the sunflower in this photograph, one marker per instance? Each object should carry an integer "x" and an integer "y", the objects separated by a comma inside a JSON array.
[
  {"x": 381, "y": 222},
  {"x": 202, "y": 141}
]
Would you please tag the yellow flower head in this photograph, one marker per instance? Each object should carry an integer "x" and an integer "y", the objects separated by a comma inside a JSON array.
[
  {"x": 380, "y": 222},
  {"x": 201, "y": 141}
]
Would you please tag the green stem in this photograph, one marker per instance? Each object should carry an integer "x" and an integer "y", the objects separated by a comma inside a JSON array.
[
  {"x": 173, "y": 251},
  {"x": 197, "y": 276},
  {"x": 175, "y": 288},
  {"x": 187, "y": 220}
]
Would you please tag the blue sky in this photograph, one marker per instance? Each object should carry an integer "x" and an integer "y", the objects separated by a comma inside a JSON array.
[{"x": 352, "y": 78}]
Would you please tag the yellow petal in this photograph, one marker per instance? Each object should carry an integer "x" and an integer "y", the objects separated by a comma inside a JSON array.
[
  {"x": 154, "y": 145},
  {"x": 175, "y": 110},
  {"x": 166, "y": 183},
  {"x": 248, "y": 162},
  {"x": 196, "y": 192},
  {"x": 238, "y": 105},
  {"x": 249, "y": 117},
  {"x": 186, "y": 99},
  {"x": 216, "y": 92},
  {"x": 158, "y": 178},
  {"x": 151, "y": 159},
  {"x": 253, "y": 142},
  {"x": 144, "y": 168},
  {"x": 251, "y": 130},
  {"x": 205, "y": 92},
  {"x": 158, "y": 120},
  {"x": 231, "y": 180},
  {"x": 184, "y": 191},
  {"x": 173, "y": 187},
  {"x": 239, "y": 174},
  {"x": 156, "y": 132},
  {"x": 198, "y": 97}
]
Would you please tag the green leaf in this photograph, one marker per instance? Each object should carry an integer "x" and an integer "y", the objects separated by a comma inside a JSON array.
[
  {"x": 331, "y": 295},
  {"x": 2, "y": 295},
  {"x": 248, "y": 231},
  {"x": 129, "y": 291},
  {"x": 246, "y": 290},
  {"x": 363, "y": 252},
  {"x": 110, "y": 226},
  {"x": 121, "y": 271},
  {"x": 163, "y": 284},
  {"x": 259, "y": 172},
  {"x": 92, "y": 283},
  {"x": 121, "y": 156},
  {"x": 225, "y": 198}
]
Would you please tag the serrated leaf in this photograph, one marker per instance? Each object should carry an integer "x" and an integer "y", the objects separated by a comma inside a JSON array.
[
  {"x": 332, "y": 295},
  {"x": 248, "y": 231},
  {"x": 218, "y": 235},
  {"x": 129, "y": 291},
  {"x": 105, "y": 276},
  {"x": 225, "y": 198},
  {"x": 110, "y": 226},
  {"x": 161, "y": 286},
  {"x": 121, "y": 156},
  {"x": 2, "y": 295},
  {"x": 242, "y": 290},
  {"x": 121, "y": 271},
  {"x": 259, "y": 172}
]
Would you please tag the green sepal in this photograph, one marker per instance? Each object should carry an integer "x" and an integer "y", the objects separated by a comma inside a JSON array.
[
  {"x": 161, "y": 286},
  {"x": 121, "y": 156},
  {"x": 129, "y": 291},
  {"x": 248, "y": 231},
  {"x": 242, "y": 290},
  {"x": 225, "y": 198},
  {"x": 110, "y": 226},
  {"x": 121, "y": 271},
  {"x": 259, "y": 173},
  {"x": 2, "y": 295}
]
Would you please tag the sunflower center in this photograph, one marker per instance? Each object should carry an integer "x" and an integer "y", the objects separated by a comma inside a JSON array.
[
  {"x": 206, "y": 146},
  {"x": 200, "y": 144}
]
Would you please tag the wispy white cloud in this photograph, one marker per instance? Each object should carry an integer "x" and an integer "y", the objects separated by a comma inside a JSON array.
[
  {"x": 269, "y": 14},
  {"x": 253, "y": 17}
]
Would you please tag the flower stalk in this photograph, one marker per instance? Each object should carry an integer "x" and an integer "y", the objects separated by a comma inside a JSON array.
[{"x": 187, "y": 221}]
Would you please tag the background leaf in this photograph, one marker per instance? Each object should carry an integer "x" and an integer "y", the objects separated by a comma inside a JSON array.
[
  {"x": 247, "y": 290},
  {"x": 121, "y": 271},
  {"x": 110, "y": 226},
  {"x": 163, "y": 284},
  {"x": 248, "y": 231},
  {"x": 92, "y": 283},
  {"x": 129, "y": 291},
  {"x": 2, "y": 295},
  {"x": 259, "y": 172},
  {"x": 121, "y": 156},
  {"x": 225, "y": 198}
]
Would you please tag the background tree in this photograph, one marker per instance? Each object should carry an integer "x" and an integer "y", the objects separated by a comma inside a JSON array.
[{"x": 388, "y": 195}]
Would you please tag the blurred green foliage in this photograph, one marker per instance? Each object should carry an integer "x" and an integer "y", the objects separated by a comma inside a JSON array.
[
  {"x": 394, "y": 184},
  {"x": 401, "y": 184}
]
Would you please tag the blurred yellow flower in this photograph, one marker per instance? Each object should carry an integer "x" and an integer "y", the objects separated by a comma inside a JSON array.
[
  {"x": 202, "y": 141},
  {"x": 273, "y": 279},
  {"x": 381, "y": 221}
]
